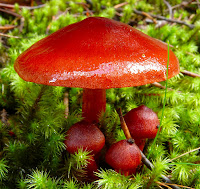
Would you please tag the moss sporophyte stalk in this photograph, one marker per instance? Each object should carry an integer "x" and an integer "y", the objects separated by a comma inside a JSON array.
[{"x": 35, "y": 117}]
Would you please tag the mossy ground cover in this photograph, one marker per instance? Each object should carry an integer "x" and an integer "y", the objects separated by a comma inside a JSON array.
[{"x": 33, "y": 117}]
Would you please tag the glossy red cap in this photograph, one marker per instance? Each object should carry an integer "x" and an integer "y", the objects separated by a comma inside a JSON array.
[{"x": 96, "y": 53}]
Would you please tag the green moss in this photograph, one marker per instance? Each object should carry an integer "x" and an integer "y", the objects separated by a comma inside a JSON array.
[{"x": 34, "y": 156}]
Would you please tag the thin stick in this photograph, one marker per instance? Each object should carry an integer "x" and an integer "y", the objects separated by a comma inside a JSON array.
[
  {"x": 191, "y": 74},
  {"x": 10, "y": 12},
  {"x": 6, "y": 35},
  {"x": 4, "y": 117},
  {"x": 120, "y": 5},
  {"x": 21, "y": 7},
  {"x": 183, "y": 4},
  {"x": 163, "y": 184},
  {"x": 169, "y": 8},
  {"x": 150, "y": 17},
  {"x": 191, "y": 26},
  {"x": 123, "y": 124},
  {"x": 175, "y": 185},
  {"x": 7, "y": 27},
  {"x": 185, "y": 154},
  {"x": 66, "y": 103},
  {"x": 156, "y": 84}
]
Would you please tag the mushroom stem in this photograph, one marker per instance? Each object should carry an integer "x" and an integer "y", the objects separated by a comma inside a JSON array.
[{"x": 94, "y": 102}]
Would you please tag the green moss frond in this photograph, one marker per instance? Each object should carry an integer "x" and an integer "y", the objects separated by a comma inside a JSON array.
[
  {"x": 81, "y": 157},
  {"x": 182, "y": 173},
  {"x": 73, "y": 118},
  {"x": 108, "y": 12},
  {"x": 71, "y": 184},
  {"x": 168, "y": 128},
  {"x": 88, "y": 186},
  {"x": 75, "y": 164},
  {"x": 179, "y": 141},
  {"x": 120, "y": 135},
  {"x": 111, "y": 180},
  {"x": 8, "y": 73},
  {"x": 3, "y": 169},
  {"x": 156, "y": 150},
  {"x": 160, "y": 166},
  {"x": 109, "y": 124},
  {"x": 54, "y": 145},
  {"x": 40, "y": 180}
]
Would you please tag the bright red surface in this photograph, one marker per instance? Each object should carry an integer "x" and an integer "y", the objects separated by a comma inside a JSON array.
[{"x": 96, "y": 53}]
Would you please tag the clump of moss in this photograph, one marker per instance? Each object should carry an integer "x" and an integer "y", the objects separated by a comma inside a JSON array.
[{"x": 33, "y": 123}]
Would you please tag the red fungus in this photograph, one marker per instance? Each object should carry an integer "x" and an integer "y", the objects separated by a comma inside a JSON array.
[
  {"x": 96, "y": 54},
  {"x": 142, "y": 123},
  {"x": 86, "y": 136},
  {"x": 124, "y": 156}
]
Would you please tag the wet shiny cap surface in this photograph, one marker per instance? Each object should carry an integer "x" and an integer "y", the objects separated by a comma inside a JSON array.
[{"x": 96, "y": 53}]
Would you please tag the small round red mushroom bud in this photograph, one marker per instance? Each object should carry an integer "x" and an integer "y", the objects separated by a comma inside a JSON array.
[
  {"x": 142, "y": 123},
  {"x": 86, "y": 136},
  {"x": 124, "y": 156}
]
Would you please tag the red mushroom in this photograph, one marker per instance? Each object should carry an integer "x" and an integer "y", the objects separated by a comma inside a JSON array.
[
  {"x": 142, "y": 123},
  {"x": 86, "y": 136},
  {"x": 96, "y": 54},
  {"x": 124, "y": 156}
]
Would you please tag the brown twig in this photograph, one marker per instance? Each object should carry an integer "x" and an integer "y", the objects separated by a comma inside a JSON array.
[
  {"x": 191, "y": 26},
  {"x": 185, "y": 154},
  {"x": 10, "y": 12},
  {"x": 161, "y": 86},
  {"x": 35, "y": 105},
  {"x": 66, "y": 103},
  {"x": 21, "y": 7},
  {"x": 150, "y": 17},
  {"x": 168, "y": 184},
  {"x": 191, "y": 74},
  {"x": 144, "y": 158},
  {"x": 198, "y": 4},
  {"x": 7, "y": 27},
  {"x": 169, "y": 8},
  {"x": 86, "y": 7},
  {"x": 120, "y": 5},
  {"x": 4, "y": 117},
  {"x": 182, "y": 4},
  {"x": 123, "y": 124},
  {"x": 6, "y": 35},
  {"x": 21, "y": 25},
  {"x": 163, "y": 184}
]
